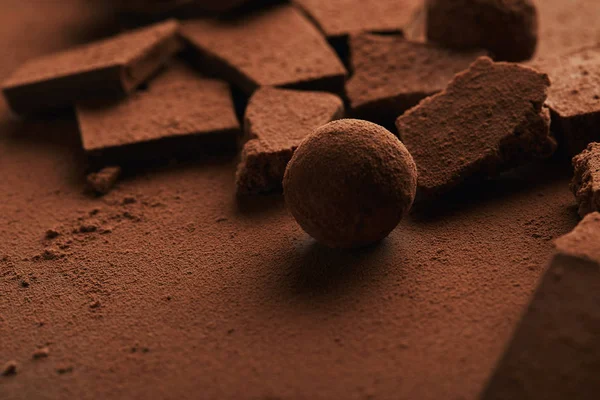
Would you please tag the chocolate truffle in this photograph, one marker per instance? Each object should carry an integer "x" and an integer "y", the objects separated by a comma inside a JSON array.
[
  {"x": 180, "y": 114},
  {"x": 507, "y": 28},
  {"x": 277, "y": 46},
  {"x": 110, "y": 67},
  {"x": 489, "y": 119},
  {"x": 586, "y": 182},
  {"x": 392, "y": 74},
  {"x": 555, "y": 352},
  {"x": 277, "y": 120},
  {"x": 350, "y": 183},
  {"x": 340, "y": 18},
  {"x": 574, "y": 97}
]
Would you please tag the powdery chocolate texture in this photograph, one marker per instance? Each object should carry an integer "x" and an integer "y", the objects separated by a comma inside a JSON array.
[
  {"x": 490, "y": 118},
  {"x": 340, "y": 18},
  {"x": 350, "y": 183},
  {"x": 110, "y": 67},
  {"x": 555, "y": 350},
  {"x": 180, "y": 113},
  {"x": 277, "y": 120},
  {"x": 392, "y": 74},
  {"x": 277, "y": 46},
  {"x": 507, "y": 28},
  {"x": 574, "y": 97},
  {"x": 586, "y": 182}
]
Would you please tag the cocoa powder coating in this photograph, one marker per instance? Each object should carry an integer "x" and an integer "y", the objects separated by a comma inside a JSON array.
[
  {"x": 586, "y": 180},
  {"x": 350, "y": 183}
]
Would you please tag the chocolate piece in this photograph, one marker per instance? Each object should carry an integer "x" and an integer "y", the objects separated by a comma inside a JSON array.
[
  {"x": 103, "y": 181},
  {"x": 489, "y": 119},
  {"x": 10, "y": 368},
  {"x": 586, "y": 182},
  {"x": 113, "y": 66},
  {"x": 555, "y": 352},
  {"x": 507, "y": 28},
  {"x": 273, "y": 47},
  {"x": 277, "y": 120},
  {"x": 179, "y": 114},
  {"x": 340, "y": 18},
  {"x": 350, "y": 183},
  {"x": 574, "y": 97},
  {"x": 392, "y": 74}
]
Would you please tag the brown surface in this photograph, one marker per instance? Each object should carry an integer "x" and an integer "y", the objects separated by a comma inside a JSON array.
[
  {"x": 276, "y": 121},
  {"x": 490, "y": 118},
  {"x": 350, "y": 183},
  {"x": 273, "y": 47},
  {"x": 574, "y": 97},
  {"x": 109, "y": 67},
  {"x": 586, "y": 182},
  {"x": 507, "y": 28},
  {"x": 392, "y": 74},
  {"x": 197, "y": 295},
  {"x": 555, "y": 353},
  {"x": 180, "y": 112},
  {"x": 338, "y": 18}
]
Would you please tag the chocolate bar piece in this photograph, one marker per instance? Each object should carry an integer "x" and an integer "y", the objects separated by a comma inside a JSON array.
[
  {"x": 340, "y": 18},
  {"x": 508, "y": 29},
  {"x": 179, "y": 114},
  {"x": 574, "y": 97},
  {"x": 555, "y": 352},
  {"x": 392, "y": 74},
  {"x": 273, "y": 47},
  {"x": 110, "y": 67},
  {"x": 277, "y": 120},
  {"x": 586, "y": 182},
  {"x": 490, "y": 118}
]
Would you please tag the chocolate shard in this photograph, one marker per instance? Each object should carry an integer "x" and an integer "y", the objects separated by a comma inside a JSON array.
[
  {"x": 392, "y": 74},
  {"x": 110, "y": 67},
  {"x": 555, "y": 352},
  {"x": 272, "y": 47},
  {"x": 277, "y": 120},
  {"x": 341, "y": 18},
  {"x": 586, "y": 182},
  {"x": 179, "y": 114},
  {"x": 489, "y": 119},
  {"x": 574, "y": 97},
  {"x": 508, "y": 29}
]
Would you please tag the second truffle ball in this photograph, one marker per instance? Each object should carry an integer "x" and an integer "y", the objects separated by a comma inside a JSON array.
[{"x": 350, "y": 183}]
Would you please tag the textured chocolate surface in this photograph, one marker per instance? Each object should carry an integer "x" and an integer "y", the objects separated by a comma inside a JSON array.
[
  {"x": 392, "y": 74},
  {"x": 273, "y": 47},
  {"x": 109, "y": 67},
  {"x": 276, "y": 121},
  {"x": 586, "y": 182},
  {"x": 490, "y": 118}
]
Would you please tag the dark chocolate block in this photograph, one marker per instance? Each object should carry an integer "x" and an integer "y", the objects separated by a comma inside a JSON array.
[
  {"x": 555, "y": 352},
  {"x": 272, "y": 47},
  {"x": 340, "y": 18},
  {"x": 586, "y": 182},
  {"x": 490, "y": 118},
  {"x": 392, "y": 74},
  {"x": 114, "y": 66},
  {"x": 277, "y": 120},
  {"x": 179, "y": 114},
  {"x": 574, "y": 97},
  {"x": 507, "y": 28}
]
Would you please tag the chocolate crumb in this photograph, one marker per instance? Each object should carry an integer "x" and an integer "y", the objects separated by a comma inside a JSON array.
[
  {"x": 52, "y": 234},
  {"x": 129, "y": 200},
  {"x": 44, "y": 352},
  {"x": 95, "y": 304},
  {"x": 104, "y": 180},
  {"x": 24, "y": 283},
  {"x": 10, "y": 368},
  {"x": 88, "y": 228},
  {"x": 64, "y": 369}
]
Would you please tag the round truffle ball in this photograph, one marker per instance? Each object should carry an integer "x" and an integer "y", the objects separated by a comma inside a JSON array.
[{"x": 350, "y": 183}]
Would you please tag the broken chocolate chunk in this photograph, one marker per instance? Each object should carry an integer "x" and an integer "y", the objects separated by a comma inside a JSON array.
[
  {"x": 489, "y": 119},
  {"x": 507, "y": 28},
  {"x": 554, "y": 353},
  {"x": 103, "y": 181},
  {"x": 277, "y": 120},
  {"x": 179, "y": 114},
  {"x": 114, "y": 66},
  {"x": 272, "y": 47},
  {"x": 586, "y": 182},
  {"x": 392, "y": 74}
]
